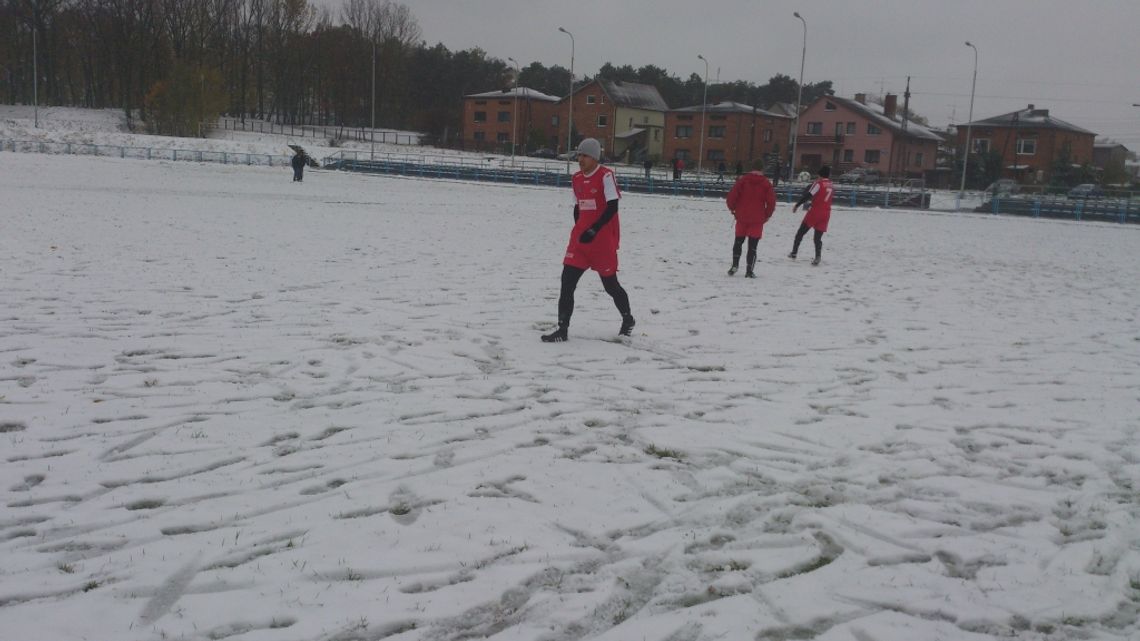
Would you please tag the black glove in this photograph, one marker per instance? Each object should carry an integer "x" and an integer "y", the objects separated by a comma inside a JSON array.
[{"x": 588, "y": 235}]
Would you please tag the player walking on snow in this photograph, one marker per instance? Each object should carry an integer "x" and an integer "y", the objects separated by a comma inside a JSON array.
[
  {"x": 593, "y": 240},
  {"x": 818, "y": 213},
  {"x": 751, "y": 201}
]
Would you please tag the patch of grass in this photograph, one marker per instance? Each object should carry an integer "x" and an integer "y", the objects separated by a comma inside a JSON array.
[
  {"x": 145, "y": 504},
  {"x": 653, "y": 450},
  {"x": 66, "y": 568},
  {"x": 90, "y": 585},
  {"x": 400, "y": 509}
]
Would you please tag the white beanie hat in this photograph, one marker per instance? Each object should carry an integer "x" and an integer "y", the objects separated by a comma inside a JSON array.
[{"x": 590, "y": 147}]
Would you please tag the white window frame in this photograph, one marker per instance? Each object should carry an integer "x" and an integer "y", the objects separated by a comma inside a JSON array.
[
  {"x": 1026, "y": 146},
  {"x": 603, "y": 120},
  {"x": 591, "y": 100}
]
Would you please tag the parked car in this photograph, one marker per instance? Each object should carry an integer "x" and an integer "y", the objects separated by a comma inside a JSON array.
[
  {"x": 1086, "y": 191},
  {"x": 544, "y": 152},
  {"x": 1003, "y": 187},
  {"x": 568, "y": 155},
  {"x": 861, "y": 175}
]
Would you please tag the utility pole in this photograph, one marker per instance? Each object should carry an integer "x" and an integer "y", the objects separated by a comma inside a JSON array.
[
  {"x": 969, "y": 122},
  {"x": 704, "y": 108},
  {"x": 905, "y": 116},
  {"x": 372, "y": 134},
  {"x": 515, "y": 117},
  {"x": 35, "y": 78},
  {"x": 570, "y": 102},
  {"x": 794, "y": 142}
]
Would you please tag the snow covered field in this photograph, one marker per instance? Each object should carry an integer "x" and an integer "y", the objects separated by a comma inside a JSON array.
[{"x": 236, "y": 407}]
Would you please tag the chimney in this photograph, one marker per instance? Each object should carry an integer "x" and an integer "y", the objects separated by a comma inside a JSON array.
[
  {"x": 1031, "y": 106},
  {"x": 890, "y": 105},
  {"x": 861, "y": 98}
]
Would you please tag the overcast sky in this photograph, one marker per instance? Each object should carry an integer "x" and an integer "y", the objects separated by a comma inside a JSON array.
[{"x": 1078, "y": 58}]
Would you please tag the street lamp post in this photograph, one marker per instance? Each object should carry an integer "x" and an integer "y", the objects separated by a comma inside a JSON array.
[
  {"x": 704, "y": 108},
  {"x": 795, "y": 136},
  {"x": 372, "y": 134},
  {"x": 969, "y": 120},
  {"x": 515, "y": 117},
  {"x": 570, "y": 102},
  {"x": 35, "y": 80}
]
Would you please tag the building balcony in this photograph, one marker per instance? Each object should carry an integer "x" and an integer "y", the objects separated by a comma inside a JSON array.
[{"x": 821, "y": 139}]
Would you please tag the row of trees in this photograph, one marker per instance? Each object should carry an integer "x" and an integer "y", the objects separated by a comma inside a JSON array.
[{"x": 176, "y": 63}]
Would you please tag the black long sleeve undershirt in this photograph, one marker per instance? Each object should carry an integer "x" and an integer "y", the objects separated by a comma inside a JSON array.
[
  {"x": 806, "y": 197},
  {"x": 607, "y": 215}
]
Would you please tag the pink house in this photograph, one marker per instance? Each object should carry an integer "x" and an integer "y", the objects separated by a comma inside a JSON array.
[{"x": 847, "y": 133}]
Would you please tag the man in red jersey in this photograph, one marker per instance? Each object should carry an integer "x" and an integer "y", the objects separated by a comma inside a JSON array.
[
  {"x": 818, "y": 212},
  {"x": 751, "y": 201},
  {"x": 594, "y": 239}
]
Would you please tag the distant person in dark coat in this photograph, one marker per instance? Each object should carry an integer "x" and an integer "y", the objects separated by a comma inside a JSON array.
[
  {"x": 298, "y": 167},
  {"x": 648, "y": 164},
  {"x": 739, "y": 168},
  {"x": 720, "y": 169}
]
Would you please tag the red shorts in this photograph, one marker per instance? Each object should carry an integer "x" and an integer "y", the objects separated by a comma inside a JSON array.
[
  {"x": 598, "y": 256},
  {"x": 817, "y": 220},
  {"x": 751, "y": 230}
]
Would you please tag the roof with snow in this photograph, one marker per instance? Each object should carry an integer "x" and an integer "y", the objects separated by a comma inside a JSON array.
[
  {"x": 734, "y": 107},
  {"x": 783, "y": 109},
  {"x": 633, "y": 95},
  {"x": 521, "y": 92},
  {"x": 875, "y": 114},
  {"x": 1029, "y": 118}
]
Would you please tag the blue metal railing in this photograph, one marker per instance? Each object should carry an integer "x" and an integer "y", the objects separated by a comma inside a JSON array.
[
  {"x": 553, "y": 173},
  {"x": 144, "y": 153},
  {"x": 1119, "y": 208}
]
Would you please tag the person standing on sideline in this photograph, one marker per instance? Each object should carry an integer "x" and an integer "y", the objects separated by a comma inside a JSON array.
[
  {"x": 739, "y": 168},
  {"x": 648, "y": 164},
  {"x": 752, "y": 201},
  {"x": 593, "y": 240},
  {"x": 818, "y": 213},
  {"x": 298, "y": 163},
  {"x": 720, "y": 169}
]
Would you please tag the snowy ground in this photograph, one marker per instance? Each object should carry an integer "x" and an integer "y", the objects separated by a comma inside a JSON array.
[{"x": 232, "y": 406}]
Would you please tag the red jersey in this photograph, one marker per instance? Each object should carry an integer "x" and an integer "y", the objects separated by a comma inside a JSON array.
[
  {"x": 819, "y": 211},
  {"x": 591, "y": 194}
]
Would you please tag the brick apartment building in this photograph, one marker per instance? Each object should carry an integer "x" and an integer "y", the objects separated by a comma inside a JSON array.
[
  {"x": 846, "y": 133},
  {"x": 488, "y": 118},
  {"x": 734, "y": 132},
  {"x": 1029, "y": 141},
  {"x": 626, "y": 117}
]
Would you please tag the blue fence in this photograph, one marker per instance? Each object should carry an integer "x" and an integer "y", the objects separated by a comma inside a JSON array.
[
  {"x": 1118, "y": 209},
  {"x": 405, "y": 166},
  {"x": 144, "y": 153}
]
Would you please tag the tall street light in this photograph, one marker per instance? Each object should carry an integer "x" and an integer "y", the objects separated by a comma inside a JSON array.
[
  {"x": 372, "y": 134},
  {"x": 795, "y": 135},
  {"x": 515, "y": 117},
  {"x": 704, "y": 107},
  {"x": 969, "y": 120},
  {"x": 570, "y": 101}
]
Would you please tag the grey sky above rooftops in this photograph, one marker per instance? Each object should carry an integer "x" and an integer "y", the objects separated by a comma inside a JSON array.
[{"x": 1078, "y": 58}]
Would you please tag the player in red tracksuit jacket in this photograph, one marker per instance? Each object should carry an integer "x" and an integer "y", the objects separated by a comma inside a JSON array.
[
  {"x": 818, "y": 213},
  {"x": 752, "y": 201},
  {"x": 593, "y": 240}
]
